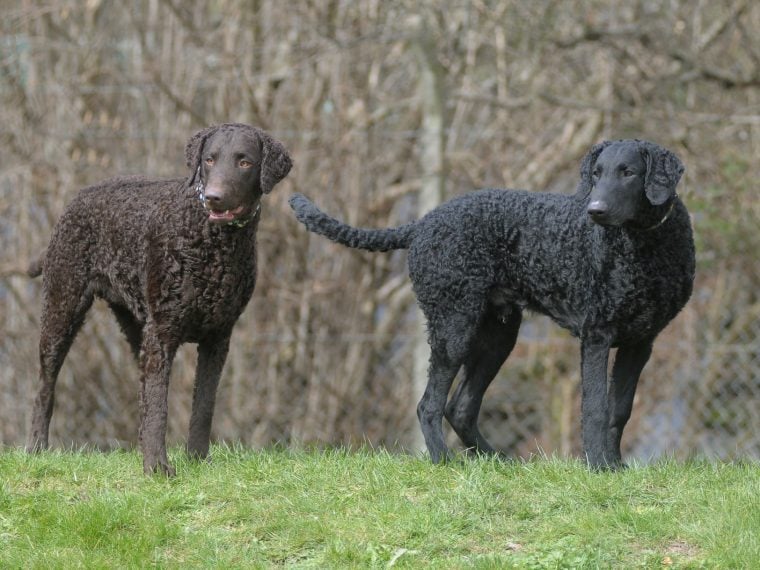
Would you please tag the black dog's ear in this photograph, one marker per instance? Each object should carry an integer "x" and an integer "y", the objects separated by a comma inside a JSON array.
[
  {"x": 664, "y": 170},
  {"x": 193, "y": 150},
  {"x": 275, "y": 162},
  {"x": 587, "y": 165}
]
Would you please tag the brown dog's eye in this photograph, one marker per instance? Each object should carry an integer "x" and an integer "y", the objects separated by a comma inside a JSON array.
[{"x": 245, "y": 164}]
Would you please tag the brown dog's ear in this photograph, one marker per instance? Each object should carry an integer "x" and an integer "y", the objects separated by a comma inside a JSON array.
[
  {"x": 664, "y": 170},
  {"x": 194, "y": 148},
  {"x": 275, "y": 162},
  {"x": 587, "y": 165}
]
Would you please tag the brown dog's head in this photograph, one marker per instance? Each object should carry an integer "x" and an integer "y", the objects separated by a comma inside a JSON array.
[{"x": 231, "y": 166}]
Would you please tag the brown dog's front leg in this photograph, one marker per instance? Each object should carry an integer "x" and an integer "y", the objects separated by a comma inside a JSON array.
[
  {"x": 155, "y": 365},
  {"x": 211, "y": 357}
]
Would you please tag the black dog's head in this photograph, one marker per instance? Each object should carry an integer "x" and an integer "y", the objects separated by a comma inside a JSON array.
[
  {"x": 629, "y": 181},
  {"x": 232, "y": 165}
]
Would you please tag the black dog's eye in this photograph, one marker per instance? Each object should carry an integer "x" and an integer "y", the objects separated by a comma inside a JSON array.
[
  {"x": 628, "y": 172},
  {"x": 596, "y": 173},
  {"x": 209, "y": 161},
  {"x": 245, "y": 163}
]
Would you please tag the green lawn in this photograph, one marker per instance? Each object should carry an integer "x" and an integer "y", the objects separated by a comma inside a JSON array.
[{"x": 340, "y": 509}]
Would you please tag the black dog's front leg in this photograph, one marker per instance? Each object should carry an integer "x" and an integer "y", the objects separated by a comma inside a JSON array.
[
  {"x": 594, "y": 404},
  {"x": 629, "y": 362}
]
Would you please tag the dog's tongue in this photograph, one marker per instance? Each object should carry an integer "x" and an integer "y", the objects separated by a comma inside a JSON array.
[{"x": 225, "y": 215}]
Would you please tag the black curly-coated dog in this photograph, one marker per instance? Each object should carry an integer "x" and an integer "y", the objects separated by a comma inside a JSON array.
[
  {"x": 613, "y": 263},
  {"x": 176, "y": 262}
]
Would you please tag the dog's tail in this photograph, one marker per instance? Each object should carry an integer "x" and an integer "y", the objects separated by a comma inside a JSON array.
[
  {"x": 36, "y": 266},
  {"x": 320, "y": 223}
]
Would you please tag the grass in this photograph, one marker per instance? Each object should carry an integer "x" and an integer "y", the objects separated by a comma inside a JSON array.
[{"x": 338, "y": 509}]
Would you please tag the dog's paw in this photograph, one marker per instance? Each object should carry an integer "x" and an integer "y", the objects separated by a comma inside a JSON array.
[{"x": 158, "y": 467}]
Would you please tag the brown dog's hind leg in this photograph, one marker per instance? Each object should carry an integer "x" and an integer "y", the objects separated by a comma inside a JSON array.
[{"x": 66, "y": 301}]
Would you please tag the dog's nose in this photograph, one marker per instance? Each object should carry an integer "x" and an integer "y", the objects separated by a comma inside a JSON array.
[
  {"x": 214, "y": 194},
  {"x": 597, "y": 208}
]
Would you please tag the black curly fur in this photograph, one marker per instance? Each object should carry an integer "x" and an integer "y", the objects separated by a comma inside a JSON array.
[
  {"x": 170, "y": 276},
  {"x": 370, "y": 239},
  {"x": 478, "y": 260}
]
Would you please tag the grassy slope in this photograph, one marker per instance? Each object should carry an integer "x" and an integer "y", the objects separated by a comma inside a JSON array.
[{"x": 372, "y": 509}]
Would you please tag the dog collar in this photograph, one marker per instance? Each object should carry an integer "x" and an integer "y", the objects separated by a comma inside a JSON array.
[
  {"x": 242, "y": 222},
  {"x": 200, "y": 191},
  {"x": 664, "y": 218}
]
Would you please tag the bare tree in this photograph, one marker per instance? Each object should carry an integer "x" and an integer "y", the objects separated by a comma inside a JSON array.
[{"x": 382, "y": 116}]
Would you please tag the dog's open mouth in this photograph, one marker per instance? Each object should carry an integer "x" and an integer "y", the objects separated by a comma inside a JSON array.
[
  {"x": 224, "y": 216},
  {"x": 607, "y": 220},
  {"x": 601, "y": 219}
]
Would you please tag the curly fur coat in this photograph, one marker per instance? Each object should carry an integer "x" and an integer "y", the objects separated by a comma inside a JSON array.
[
  {"x": 613, "y": 264},
  {"x": 176, "y": 262}
]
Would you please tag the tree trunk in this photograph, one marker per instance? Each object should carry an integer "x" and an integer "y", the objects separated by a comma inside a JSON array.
[{"x": 431, "y": 145}]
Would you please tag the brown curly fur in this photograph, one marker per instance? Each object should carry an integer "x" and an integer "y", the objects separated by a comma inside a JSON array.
[{"x": 170, "y": 275}]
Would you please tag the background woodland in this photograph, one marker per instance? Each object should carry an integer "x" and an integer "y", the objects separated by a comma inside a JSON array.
[{"x": 387, "y": 108}]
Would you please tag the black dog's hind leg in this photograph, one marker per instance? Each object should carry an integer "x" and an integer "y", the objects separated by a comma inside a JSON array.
[
  {"x": 211, "y": 357},
  {"x": 450, "y": 338},
  {"x": 492, "y": 345},
  {"x": 629, "y": 362},
  {"x": 431, "y": 407}
]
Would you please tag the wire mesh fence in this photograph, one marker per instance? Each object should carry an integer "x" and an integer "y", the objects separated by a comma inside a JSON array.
[{"x": 698, "y": 395}]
